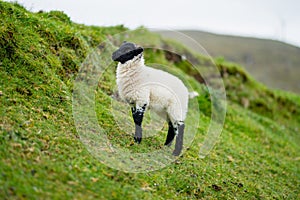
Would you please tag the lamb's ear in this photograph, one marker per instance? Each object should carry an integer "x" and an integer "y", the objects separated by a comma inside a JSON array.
[
  {"x": 138, "y": 51},
  {"x": 115, "y": 56}
]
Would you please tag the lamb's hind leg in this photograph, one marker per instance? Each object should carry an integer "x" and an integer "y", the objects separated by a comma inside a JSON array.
[
  {"x": 171, "y": 134},
  {"x": 179, "y": 130},
  {"x": 138, "y": 114}
]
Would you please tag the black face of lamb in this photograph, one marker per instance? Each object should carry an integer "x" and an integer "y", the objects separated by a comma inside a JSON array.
[
  {"x": 138, "y": 114},
  {"x": 126, "y": 52}
]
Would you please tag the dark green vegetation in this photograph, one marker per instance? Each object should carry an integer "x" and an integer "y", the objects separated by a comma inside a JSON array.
[
  {"x": 274, "y": 63},
  {"x": 42, "y": 157}
]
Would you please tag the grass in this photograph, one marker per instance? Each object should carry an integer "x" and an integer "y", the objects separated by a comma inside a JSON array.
[{"x": 42, "y": 156}]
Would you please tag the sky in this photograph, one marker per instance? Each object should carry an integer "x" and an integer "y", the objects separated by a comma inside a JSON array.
[{"x": 271, "y": 19}]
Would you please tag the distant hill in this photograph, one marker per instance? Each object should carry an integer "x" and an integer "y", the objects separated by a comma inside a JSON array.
[{"x": 273, "y": 63}]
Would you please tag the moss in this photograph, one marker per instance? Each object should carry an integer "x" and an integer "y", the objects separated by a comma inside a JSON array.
[{"x": 56, "y": 15}]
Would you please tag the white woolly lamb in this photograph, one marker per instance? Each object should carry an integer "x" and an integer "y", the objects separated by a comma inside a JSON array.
[{"x": 144, "y": 87}]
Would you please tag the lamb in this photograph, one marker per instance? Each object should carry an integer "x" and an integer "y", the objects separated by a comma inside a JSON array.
[{"x": 148, "y": 88}]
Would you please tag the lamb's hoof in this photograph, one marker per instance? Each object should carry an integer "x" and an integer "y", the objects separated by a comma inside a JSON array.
[
  {"x": 176, "y": 152},
  {"x": 137, "y": 140}
]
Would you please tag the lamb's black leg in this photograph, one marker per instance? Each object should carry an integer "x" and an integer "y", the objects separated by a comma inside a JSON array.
[
  {"x": 179, "y": 139},
  {"x": 171, "y": 135},
  {"x": 138, "y": 114}
]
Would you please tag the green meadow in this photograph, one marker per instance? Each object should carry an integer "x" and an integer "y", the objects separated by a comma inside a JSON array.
[{"x": 43, "y": 155}]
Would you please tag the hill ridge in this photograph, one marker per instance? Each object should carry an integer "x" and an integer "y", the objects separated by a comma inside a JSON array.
[{"x": 272, "y": 62}]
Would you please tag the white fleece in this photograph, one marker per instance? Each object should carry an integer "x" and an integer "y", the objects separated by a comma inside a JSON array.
[{"x": 160, "y": 91}]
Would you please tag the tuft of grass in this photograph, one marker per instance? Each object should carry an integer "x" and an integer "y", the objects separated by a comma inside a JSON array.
[{"x": 42, "y": 156}]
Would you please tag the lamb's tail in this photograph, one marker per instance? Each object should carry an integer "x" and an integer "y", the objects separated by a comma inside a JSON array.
[{"x": 193, "y": 94}]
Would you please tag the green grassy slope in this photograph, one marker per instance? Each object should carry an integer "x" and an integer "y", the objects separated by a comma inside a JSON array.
[
  {"x": 42, "y": 157},
  {"x": 274, "y": 63}
]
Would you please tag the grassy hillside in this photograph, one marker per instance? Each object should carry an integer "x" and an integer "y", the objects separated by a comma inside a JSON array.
[
  {"x": 273, "y": 63},
  {"x": 42, "y": 156}
]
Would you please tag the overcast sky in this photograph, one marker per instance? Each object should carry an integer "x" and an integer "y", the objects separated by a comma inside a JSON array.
[{"x": 273, "y": 19}]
